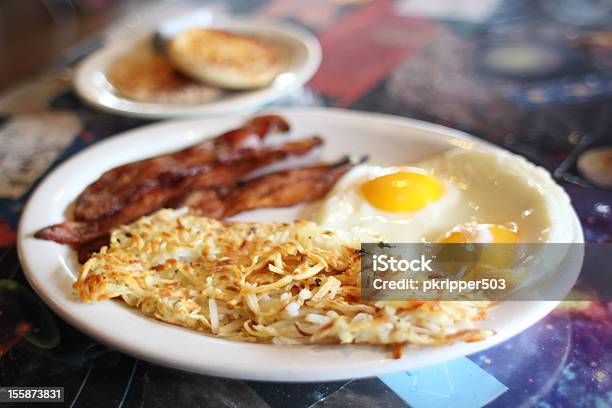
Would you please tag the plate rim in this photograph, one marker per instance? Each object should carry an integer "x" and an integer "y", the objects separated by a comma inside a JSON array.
[
  {"x": 83, "y": 87},
  {"x": 383, "y": 365}
]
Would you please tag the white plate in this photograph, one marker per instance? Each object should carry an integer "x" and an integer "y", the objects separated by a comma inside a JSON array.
[
  {"x": 51, "y": 268},
  {"x": 303, "y": 50}
]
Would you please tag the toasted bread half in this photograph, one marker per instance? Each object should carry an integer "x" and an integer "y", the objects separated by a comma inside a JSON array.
[{"x": 226, "y": 60}]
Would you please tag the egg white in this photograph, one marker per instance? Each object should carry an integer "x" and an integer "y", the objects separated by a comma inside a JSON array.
[
  {"x": 483, "y": 185},
  {"x": 346, "y": 208},
  {"x": 501, "y": 187}
]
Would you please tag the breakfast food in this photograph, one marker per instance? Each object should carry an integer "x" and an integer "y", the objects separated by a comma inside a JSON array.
[
  {"x": 195, "y": 67},
  {"x": 172, "y": 185},
  {"x": 282, "y": 188},
  {"x": 458, "y": 196},
  {"x": 155, "y": 234},
  {"x": 127, "y": 192},
  {"x": 276, "y": 283},
  {"x": 145, "y": 75},
  {"x": 206, "y": 177},
  {"x": 277, "y": 189},
  {"x": 227, "y": 60},
  {"x": 120, "y": 185}
]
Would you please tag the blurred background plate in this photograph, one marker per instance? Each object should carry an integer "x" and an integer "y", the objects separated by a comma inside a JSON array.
[{"x": 303, "y": 49}]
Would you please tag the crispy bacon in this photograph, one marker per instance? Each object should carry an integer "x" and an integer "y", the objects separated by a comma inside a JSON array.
[
  {"x": 285, "y": 188},
  {"x": 278, "y": 189},
  {"x": 85, "y": 251},
  {"x": 121, "y": 185},
  {"x": 207, "y": 202},
  {"x": 204, "y": 177},
  {"x": 174, "y": 184}
]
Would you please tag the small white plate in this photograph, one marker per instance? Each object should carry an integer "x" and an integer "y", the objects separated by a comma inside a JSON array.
[
  {"x": 303, "y": 50},
  {"x": 52, "y": 268}
]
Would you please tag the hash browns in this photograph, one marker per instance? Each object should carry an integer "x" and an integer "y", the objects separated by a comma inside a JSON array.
[{"x": 282, "y": 283}]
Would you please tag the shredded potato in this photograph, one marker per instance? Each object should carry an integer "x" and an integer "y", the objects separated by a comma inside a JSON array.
[{"x": 276, "y": 283}]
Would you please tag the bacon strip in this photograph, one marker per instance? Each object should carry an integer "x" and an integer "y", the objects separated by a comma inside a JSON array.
[
  {"x": 285, "y": 188},
  {"x": 124, "y": 184},
  {"x": 207, "y": 202},
  {"x": 278, "y": 189},
  {"x": 174, "y": 184}
]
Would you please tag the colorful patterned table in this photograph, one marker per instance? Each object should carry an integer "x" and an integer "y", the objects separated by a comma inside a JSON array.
[{"x": 401, "y": 57}]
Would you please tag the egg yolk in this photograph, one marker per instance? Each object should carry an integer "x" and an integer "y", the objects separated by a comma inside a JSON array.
[
  {"x": 489, "y": 260},
  {"x": 403, "y": 191},
  {"x": 481, "y": 233}
]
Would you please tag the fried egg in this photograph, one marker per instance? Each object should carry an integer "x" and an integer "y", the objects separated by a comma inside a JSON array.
[
  {"x": 460, "y": 196},
  {"x": 398, "y": 203}
]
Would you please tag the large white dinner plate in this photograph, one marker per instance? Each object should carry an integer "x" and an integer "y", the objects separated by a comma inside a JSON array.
[
  {"x": 51, "y": 268},
  {"x": 302, "y": 48}
]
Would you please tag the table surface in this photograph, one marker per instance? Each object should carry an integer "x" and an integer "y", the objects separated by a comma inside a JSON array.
[{"x": 407, "y": 58}]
